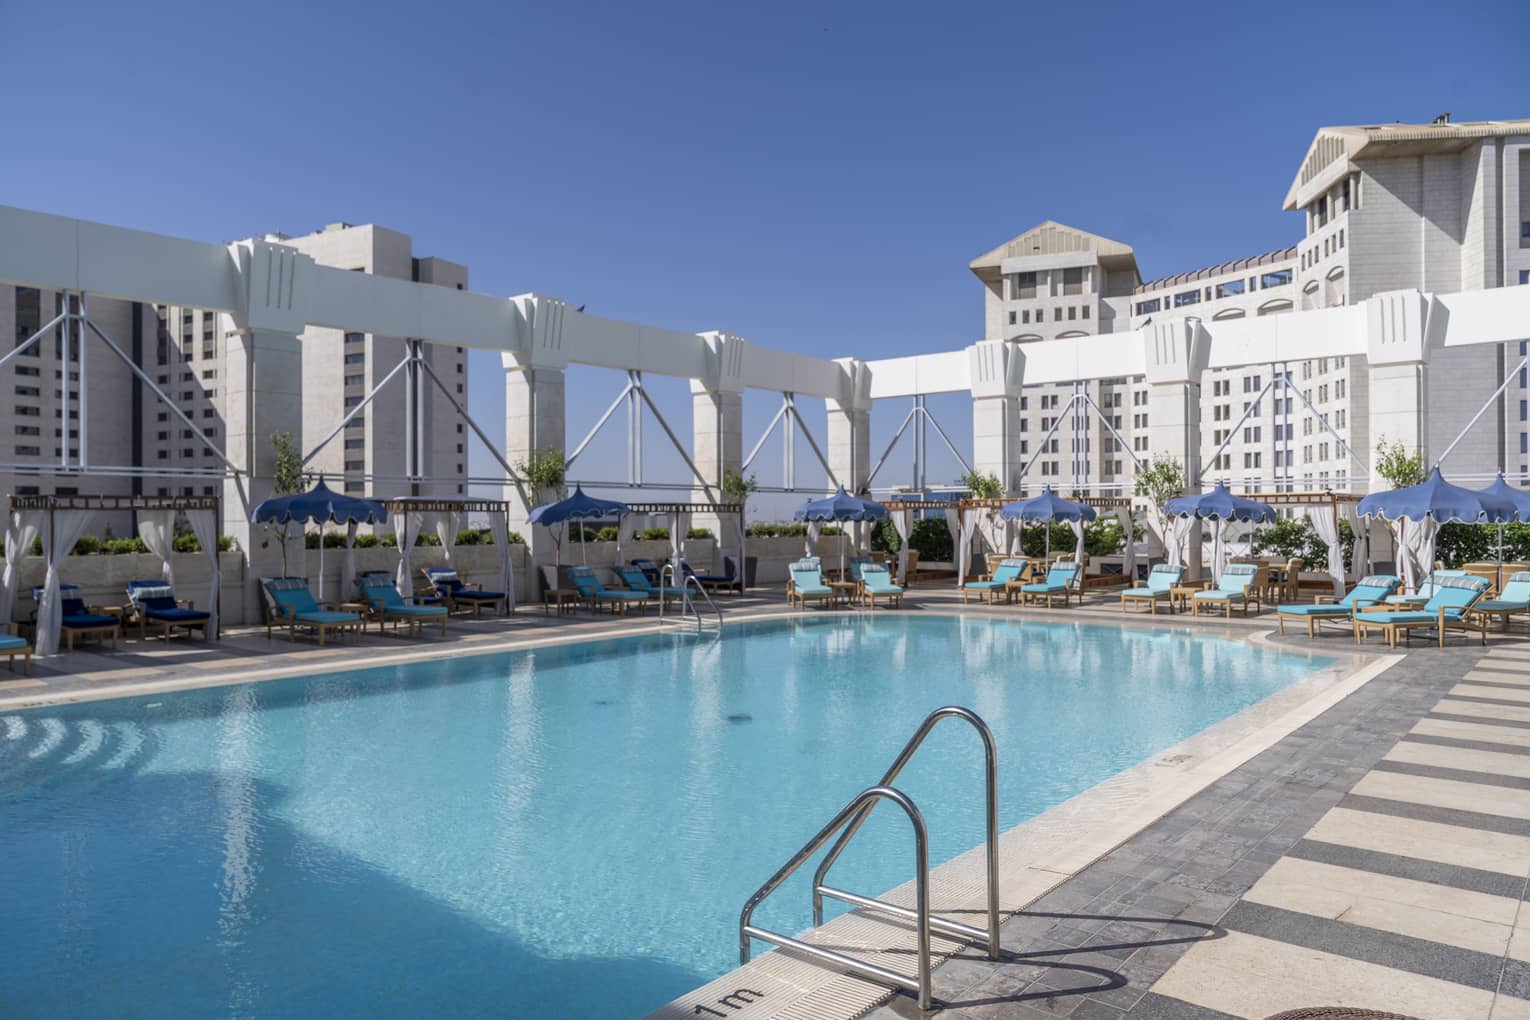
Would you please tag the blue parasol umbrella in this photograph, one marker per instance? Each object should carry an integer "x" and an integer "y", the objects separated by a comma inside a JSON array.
[
  {"x": 841, "y": 507},
  {"x": 1047, "y": 507},
  {"x": 1221, "y": 506},
  {"x": 1433, "y": 499},
  {"x": 319, "y": 505},
  {"x": 578, "y": 507},
  {"x": 1503, "y": 504}
]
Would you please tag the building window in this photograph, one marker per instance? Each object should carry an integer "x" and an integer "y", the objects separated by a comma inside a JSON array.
[
  {"x": 355, "y": 359},
  {"x": 28, "y": 451},
  {"x": 355, "y": 338},
  {"x": 355, "y": 444},
  {"x": 1086, "y": 311},
  {"x": 1187, "y": 297},
  {"x": 1524, "y": 230},
  {"x": 1073, "y": 280},
  {"x": 1279, "y": 278},
  {"x": 28, "y": 313},
  {"x": 358, "y": 380},
  {"x": 1524, "y": 276},
  {"x": 1025, "y": 316},
  {"x": 1024, "y": 286},
  {"x": 355, "y": 465},
  {"x": 1072, "y": 312},
  {"x": 1011, "y": 318}
]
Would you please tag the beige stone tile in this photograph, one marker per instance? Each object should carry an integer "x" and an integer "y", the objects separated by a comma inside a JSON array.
[
  {"x": 1428, "y": 841},
  {"x": 1519, "y": 939},
  {"x": 1470, "y": 690},
  {"x": 1455, "y": 917},
  {"x": 1472, "y": 708},
  {"x": 1484, "y": 730},
  {"x": 1498, "y": 763},
  {"x": 1251, "y": 977},
  {"x": 1446, "y": 793},
  {"x": 1507, "y": 1007}
]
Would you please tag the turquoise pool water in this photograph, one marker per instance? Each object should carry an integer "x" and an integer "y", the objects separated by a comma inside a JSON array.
[{"x": 567, "y": 832}]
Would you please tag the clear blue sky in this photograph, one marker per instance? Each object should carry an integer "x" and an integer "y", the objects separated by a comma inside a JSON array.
[{"x": 814, "y": 177}]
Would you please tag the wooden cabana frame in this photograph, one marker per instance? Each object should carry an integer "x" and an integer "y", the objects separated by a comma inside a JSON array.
[{"x": 51, "y": 504}]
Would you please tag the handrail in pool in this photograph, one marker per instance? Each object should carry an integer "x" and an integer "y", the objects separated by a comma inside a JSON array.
[
  {"x": 847, "y": 822},
  {"x": 991, "y": 811},
  {"x": 919, "y": 985}
]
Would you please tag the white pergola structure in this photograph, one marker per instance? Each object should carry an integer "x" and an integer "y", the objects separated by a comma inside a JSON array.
[{"x": 272, "y": 293}]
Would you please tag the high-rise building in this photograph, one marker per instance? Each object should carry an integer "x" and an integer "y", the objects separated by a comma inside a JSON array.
[
  {"x": 182, "y": 351},
  {"x": 1439, "y": 207}
]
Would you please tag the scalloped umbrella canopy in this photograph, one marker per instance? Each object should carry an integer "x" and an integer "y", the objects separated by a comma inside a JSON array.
[
  {"x": 841, "y": 507},
  {"x": 320, "y": 504},
  {"x": 1432, "y": 499},
  {"x": 1504, "y": 504},
  {"x": 1047, "y": 507},
  {"x": 578, "y": 507},
  {"x": 1220, "y": 505}
]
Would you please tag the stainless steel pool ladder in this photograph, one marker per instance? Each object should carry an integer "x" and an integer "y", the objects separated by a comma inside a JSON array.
[
  {"x": 847, "y": 823},
  {"x": 687, "y": 606}
]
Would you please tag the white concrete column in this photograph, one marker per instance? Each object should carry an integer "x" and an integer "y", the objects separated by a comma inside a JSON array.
[
  {"x": 1397, "y": 353},
  {"x": 1176, "y": 356},
  {"x": 849, "y": 434},
  {"x": 263, "y": 395},
  {"x": 998, "y": 373},
  {"x": 717, "y": 432},
  {"x": 534, "y": 410}
]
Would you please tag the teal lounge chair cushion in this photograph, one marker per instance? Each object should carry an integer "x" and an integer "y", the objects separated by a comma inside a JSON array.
[
  {"x": 590, "y": 587},
  {"x": 1368, "y": 592},
  {"x": 1059, "y": 578},
  {"x": 878, "y": 580},
  {"x": 384, "y": 594},
  {"x": 1007, "y": 571},
  {"x": 326, "y": 616},
  {"x": 10, "y": 641},
  {"x": 807, "y": 577}
]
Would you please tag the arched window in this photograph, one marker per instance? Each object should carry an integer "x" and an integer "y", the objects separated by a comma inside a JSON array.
[
  {"x": 1275, "y": 307},
  {"x": 1228, "y": 313}
]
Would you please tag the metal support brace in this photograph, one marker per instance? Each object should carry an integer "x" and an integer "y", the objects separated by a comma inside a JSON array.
[
  {"x": 1323, "y": 421},
  {"x": 1508, "y": 378},
  {"x": 351, "y": 415},
  {"x": 1105, "y": 420},
  {"x": 1247, "y": 411},
  {"x": 1046, "y": 438},
  {"x": 896, "y": 436}
]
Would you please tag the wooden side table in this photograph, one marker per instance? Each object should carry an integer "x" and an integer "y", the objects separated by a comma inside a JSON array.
[
  {"x": 1180, "y": 596},
  {"x": 561, "y": 598},
  {"x": 845, "y": 590}
]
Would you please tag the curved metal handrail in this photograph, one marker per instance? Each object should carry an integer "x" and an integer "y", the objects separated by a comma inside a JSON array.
[
  {"x": 862, "y": 802},
  {"x": 991, "y": 762}
]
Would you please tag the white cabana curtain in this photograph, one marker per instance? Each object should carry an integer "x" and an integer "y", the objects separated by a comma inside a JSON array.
[
  {"x": 1078, "y": 542},
  {"x": 962, "y": 537},
  {"x": 348, "y": 565},
  {"x": 499, "y": 530},
  {"x": 20, "y": 533},
  {"x": 204, "y": 525},
  {"x": 1219, "y": 530},
  {"x": 58, "y": 542},
  {"x": 810, "y": 542},
  {"x": 406, "y": 528},
  {"x": 1326, "y": 523},
  {"x": 1358, "y": 565},
  {"x": 679, "y": 524},
  {"x": 1129, "y": 548},
  {"x": 903, "y": 522},
  {"x": 1415, "y": 549},
  {"x": 447, "y": 527},
  {"x": 157, "y": 529},
  {"x": 1179, "y": 527},
  {"x": 738, "y": 527}
]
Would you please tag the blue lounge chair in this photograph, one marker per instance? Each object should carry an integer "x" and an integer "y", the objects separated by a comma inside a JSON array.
[
  {"x": 1005, "y": 575},
  {"x": 876, "y": 580},
  {"x": 1515, "y": 598},
  {"x": 1235, "y": 586},
  {"x": 806, "y": 582},
  {"x": 636, "y": 579},
  {"x": 385, "y": 603},
  {"x": 728, "y": 581},
  {"x": 1424, "y": 593},
  {"x": 155, "y": 605},
  {"x": 1448, "y": 607},
  {"x": 12, "y": 646},
  {"x": 77, "y": 620},
  {"x": 1061, "y": 577},
  {"x": 1370, "y": 591},
  {"x": 294, "y": 605},
  {"x": 595, "y": 593},
  {"x": 1161, "y": 581},
  {"x": 458, "y": 594}
]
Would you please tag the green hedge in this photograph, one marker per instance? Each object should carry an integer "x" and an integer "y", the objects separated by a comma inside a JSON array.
[{"x": 788, "y": 530}]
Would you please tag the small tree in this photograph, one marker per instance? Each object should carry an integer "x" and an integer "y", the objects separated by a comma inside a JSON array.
[
  {"x": 546, "y": 473},
  {"x": 287, "y": 465},
  {"x": 286, "y": 476},
  {"x": 1158, "y": 481},
  {"x": 1397, "y": 466},
  {"x": 982, "y": 486}
]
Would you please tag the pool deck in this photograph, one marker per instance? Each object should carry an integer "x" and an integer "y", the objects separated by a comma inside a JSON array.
[{"x": 1362, "y": 838}]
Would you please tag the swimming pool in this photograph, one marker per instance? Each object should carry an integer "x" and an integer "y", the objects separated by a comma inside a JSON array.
[{"x": 567, "y": 831}]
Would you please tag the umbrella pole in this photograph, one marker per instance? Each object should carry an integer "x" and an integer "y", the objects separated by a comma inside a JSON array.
[{"x": 321, "y": 561}]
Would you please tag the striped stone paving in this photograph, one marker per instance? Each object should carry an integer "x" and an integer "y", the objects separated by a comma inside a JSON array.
[{"x": 1378, "y": 857}]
